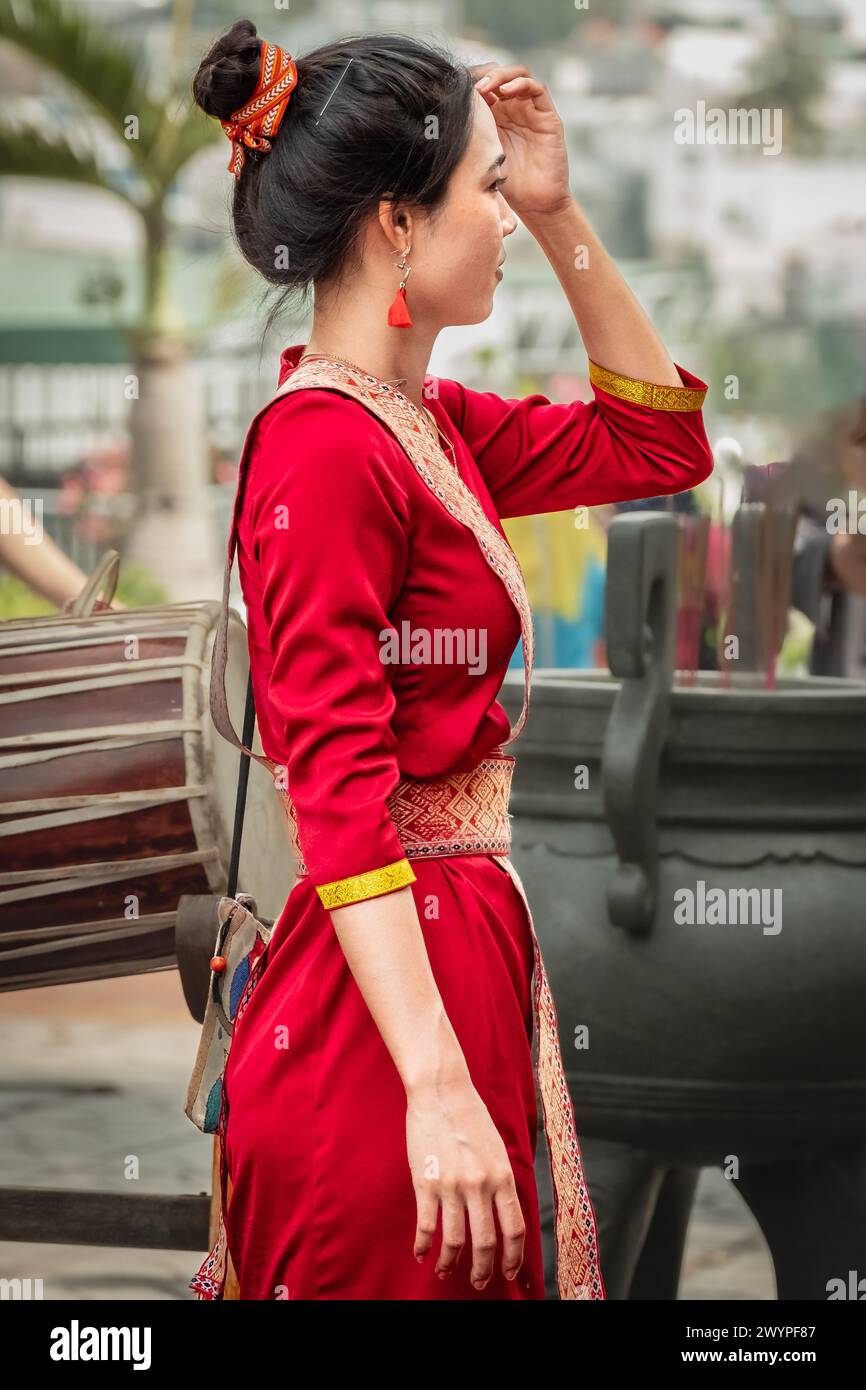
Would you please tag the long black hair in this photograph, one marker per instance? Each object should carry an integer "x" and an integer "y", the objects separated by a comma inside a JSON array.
[{"x": 372, "y": 117}]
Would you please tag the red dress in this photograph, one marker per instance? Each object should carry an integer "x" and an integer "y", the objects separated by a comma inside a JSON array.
[{"x": 341, "y": 541}]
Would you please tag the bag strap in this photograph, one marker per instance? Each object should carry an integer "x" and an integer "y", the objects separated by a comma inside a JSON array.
[
  {"x": 219, "y": 700},
  {"x": 241, "y": 797},
  {"x": 219, "y": 707}
]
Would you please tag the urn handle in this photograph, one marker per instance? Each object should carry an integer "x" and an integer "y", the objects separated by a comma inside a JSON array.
[{"x": 640, "y": 625}]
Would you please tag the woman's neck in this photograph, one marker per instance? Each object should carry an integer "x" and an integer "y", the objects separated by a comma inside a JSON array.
[{"x": 386, "y": 352}]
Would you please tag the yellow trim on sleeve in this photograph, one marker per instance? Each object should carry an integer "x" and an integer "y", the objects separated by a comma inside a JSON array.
[
  {"x": 657, "y": 397},
  {"x": 369, "y": 885}
]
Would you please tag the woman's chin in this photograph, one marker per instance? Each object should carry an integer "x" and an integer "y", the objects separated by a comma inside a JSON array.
[{"x": 477, "y": 314}]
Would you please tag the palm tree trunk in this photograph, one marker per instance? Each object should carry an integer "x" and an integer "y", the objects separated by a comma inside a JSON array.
[{"x": 173, "y": 534}]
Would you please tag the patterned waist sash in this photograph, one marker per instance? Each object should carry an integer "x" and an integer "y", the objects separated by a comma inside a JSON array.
[{"x": 458, "y": 813}]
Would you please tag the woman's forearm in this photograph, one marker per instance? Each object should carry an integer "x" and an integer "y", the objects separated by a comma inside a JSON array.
[
  {"x": 615, "y": 330},
  {"x": 385, "y": 950},
  {"x": 34, "y": 558}
]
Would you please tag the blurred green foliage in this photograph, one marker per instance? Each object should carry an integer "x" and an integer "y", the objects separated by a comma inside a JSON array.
[
  {"x": 784, "y": 370},
  {"x": 791, "y": 73}
]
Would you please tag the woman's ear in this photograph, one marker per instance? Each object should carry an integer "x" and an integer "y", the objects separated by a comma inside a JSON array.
[{"x": 396, "y": 223}]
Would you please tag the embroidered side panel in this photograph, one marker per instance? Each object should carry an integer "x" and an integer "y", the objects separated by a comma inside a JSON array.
[{"x": 577, "y": 1268}]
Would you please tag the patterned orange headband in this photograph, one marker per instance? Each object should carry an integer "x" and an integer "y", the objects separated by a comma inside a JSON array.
[{"x": 251, "y": 124}]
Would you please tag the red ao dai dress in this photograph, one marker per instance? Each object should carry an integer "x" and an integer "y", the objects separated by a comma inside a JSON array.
[{"x": 320, "y": 1197}]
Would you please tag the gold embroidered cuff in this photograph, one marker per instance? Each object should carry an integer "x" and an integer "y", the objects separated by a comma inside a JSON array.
[
  {"x": 368, "y": 885},
  {"x": 657, "y": 397}
]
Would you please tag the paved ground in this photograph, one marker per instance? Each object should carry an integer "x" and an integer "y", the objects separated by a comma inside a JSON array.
[{"x": 94, "y": 1073}]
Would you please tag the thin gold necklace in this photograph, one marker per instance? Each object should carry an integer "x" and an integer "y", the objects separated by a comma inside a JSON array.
[
  {"x": 329, "y": 357},
  {"x": 395, "y": 381},
  {"x": 445, "y": 440}
]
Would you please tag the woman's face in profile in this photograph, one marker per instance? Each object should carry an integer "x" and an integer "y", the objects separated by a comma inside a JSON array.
[{"x": 456, "y": 254}]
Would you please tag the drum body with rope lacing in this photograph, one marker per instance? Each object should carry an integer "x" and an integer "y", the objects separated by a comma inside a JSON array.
[{"x": 117, "y": 792}]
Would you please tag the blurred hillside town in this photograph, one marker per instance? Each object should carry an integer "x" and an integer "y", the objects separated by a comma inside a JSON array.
[{"x": 748, "y": 256}]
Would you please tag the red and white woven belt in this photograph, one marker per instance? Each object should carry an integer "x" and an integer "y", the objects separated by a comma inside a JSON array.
[{"x": 459, "y": 813}]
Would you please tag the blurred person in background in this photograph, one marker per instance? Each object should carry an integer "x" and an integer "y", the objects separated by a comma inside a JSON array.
[
  {"x": 829, "y": 579},
  {"x": 828, "y": 573}
]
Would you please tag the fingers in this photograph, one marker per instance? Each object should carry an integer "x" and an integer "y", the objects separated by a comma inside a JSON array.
[
  {"x": 516, "y": 87},
  {"x": 519, "y": 99},
  {"x": 522, "y": 87},
  {"x": 453, "y": 1234},
  {"x": 512, "y": 1225},
  {"x": 483, "y": 1230},
  {"x": 494, "y": 76},
  {"x": 477, "y": 1204},
  {"x": 515, "y": 82},
  {"x": 428, "y": 1210}
]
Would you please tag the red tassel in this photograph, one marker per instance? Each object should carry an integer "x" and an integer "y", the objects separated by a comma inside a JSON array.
[{"x": 398, "y": 314}]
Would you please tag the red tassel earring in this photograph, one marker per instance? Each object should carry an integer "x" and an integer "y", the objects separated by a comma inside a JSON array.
[{"x": 398, "y": 313}]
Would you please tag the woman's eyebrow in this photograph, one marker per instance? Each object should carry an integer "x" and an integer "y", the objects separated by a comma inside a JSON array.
[{"x": 500, "y": 159}]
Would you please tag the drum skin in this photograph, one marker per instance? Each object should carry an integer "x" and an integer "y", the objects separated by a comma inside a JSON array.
[{"x": 117, "y": 793}]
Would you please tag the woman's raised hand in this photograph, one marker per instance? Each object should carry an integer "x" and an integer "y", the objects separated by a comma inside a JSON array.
[
  {"x": 459, "y": 1162},
  {"x": 532, "y": 136}
]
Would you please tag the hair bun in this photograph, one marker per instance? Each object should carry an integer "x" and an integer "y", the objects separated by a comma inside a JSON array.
[{"x": 227, "y": 75}]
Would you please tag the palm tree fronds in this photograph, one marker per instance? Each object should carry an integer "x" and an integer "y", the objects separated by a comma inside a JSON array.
[
  {"x": 89, "y": 58},
  {"x": 26, "y": 153},
  {"x": 194, "y": 131}
]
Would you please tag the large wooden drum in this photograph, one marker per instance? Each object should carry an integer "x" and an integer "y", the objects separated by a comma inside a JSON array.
[{"x": 118, "y": 794}]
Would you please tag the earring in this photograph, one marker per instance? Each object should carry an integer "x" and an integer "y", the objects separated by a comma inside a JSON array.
[{"x": 398, "y": 313}]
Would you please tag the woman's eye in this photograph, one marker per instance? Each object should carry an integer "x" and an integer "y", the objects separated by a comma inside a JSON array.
[{"x": 497, "y": 183}]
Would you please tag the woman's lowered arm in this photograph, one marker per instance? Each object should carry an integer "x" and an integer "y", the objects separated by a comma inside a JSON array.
[
  {"x": 327, "y": 516},
  {"x": 457, "y": 1157}
]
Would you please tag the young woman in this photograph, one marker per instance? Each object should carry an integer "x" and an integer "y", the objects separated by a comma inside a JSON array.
[{"x": 380, "y": 1087}]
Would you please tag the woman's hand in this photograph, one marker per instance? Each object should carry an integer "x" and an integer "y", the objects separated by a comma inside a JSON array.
[
  {"x": 99, "y": 605},
  {"x": 532, "y": 137},
  {"x": 606, "y": 312},
  {"x": 459, "y": 1161}
]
